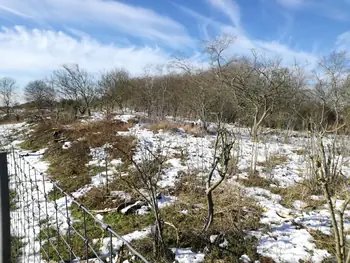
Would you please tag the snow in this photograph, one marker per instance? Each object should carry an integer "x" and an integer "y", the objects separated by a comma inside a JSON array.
[
  {"x": 185, "y": 255},
  {"x": 164, "y": 201},
  {"x": 299, "y": 205},
  {"x": 284, "y": 235},
  {"x": 99, "y": 157},
  {"x": 122, "y": 195},
  {"x": 7, "y": 134},
  {"x": 28, "y": 211},
  {"x": 66, "y": 145},
  {"x": 287, "y": 244},
  {"x": 124, "y": 117},
  {"x": 245, "y": 259},
  {"x": 117, "y": 243}
]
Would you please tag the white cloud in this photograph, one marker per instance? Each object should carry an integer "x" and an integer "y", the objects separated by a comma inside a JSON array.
[
  {"x": 14, "y": 12},
  {"x": 27, "y": 54},
  {"x": 244, "y": 44},
  {"x": 229, "y": 8},
  {"x": 103, "y": 15},
  {"x": 343, "y": 41}
]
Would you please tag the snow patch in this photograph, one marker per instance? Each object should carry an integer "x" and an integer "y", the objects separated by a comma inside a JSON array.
[{"x": 185, "y": 255}]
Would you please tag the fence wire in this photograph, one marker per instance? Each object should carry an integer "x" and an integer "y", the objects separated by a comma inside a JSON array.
[{"x": 49, "y": 225}]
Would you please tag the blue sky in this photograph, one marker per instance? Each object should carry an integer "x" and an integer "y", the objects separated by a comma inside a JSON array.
[{"x": 37, "y": 36}]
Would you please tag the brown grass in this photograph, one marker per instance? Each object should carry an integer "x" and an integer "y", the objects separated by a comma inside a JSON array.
[
  {"x": 234, "y": 214},
  {"x": 324, "y": 242},
  {"x": 273, "y": 161},
  {"x": 297, "y": 192},
  {"x": 4, "y": 122},
  {"x": 98, "y": 199},
  {"x": 256, "y": 181},
  {"x": 68, "y": 166}
]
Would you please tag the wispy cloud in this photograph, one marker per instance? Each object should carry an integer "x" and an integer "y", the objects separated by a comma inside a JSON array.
[
  {"x": 35, "y": 53},
  {"x": 244, "y": 44},
  {"x": 229, "y": 8},
  {"x": 107, "y": 14},
  {"x": 337, "y": 10},
  {"x": 343, "y": 41},
  {"x": 13, "y": 12}
]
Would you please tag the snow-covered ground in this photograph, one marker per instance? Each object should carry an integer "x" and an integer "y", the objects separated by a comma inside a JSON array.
[{"x": 284, "y": 239}]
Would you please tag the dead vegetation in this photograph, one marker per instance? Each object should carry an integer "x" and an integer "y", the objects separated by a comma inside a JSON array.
[
  {"x": 235, "y": 214},
  {"x": 69, "y": 166},
  {"x": 272, "y": 162},
  {"x": 256, "y": 181}
]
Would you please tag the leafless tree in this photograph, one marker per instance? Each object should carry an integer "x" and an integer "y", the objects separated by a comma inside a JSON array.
[
  {"x": 332, "y": 86},
  {"x": 202, "y": 89},
  {"x": 114, "y": 87},
  {"x": 220, "y": 166},
  {"x": 327, "y": 152},
  {"x": 75, "y": 84},
  {"x": 149, "y": 172},
  {"x": 39, "y": 93},
  {"x": 7, "y": 92},
  {"x": 326, "y": 167}
]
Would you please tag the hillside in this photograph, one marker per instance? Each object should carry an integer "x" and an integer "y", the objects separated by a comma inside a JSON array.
[{"x": 276, "y": 214}]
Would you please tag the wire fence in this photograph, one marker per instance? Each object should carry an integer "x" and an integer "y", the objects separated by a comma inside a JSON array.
[{"x": 49, "y": 225}]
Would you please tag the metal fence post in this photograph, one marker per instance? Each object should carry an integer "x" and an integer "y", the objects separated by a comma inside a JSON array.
[{"x": 5, "y": 234}]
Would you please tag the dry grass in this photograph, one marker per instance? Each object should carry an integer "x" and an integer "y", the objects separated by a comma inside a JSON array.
[
  {"x": 256, "y": 181},
  {"x": 234, "y": 214},
  {"x": 40, "y": 137},
  {"x": 96, "y": 133},
  {"x": 68, "y": 166},
  {"x": 171, "y": 126},
  {"x": 5, "y": 122},
  {"x": 296, "y": 192},
  {"x": 272, "y": 162},
  {"x": 98, "y": 199},
  {"x": 300, "y": 152},
  {"x": 324, "y": 242}
]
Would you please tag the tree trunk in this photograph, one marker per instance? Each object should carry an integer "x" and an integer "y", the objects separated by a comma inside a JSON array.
[
  {"x": 160, "y": 250},
  {"x": 210, "y": 216},
  {"x": 254, "y": 149},
  {"x": 336, "y": 233}
]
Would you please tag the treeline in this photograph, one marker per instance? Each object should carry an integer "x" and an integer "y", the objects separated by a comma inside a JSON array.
[{"x": 254, "y": 90}]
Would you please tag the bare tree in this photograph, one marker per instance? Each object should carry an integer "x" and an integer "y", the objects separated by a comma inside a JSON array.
[
  {"x": 255, "y": 85},
  {"x": 327, "y": 152},
  {"x": 332, "y": 86},
  {"x": 39, "y": 93},
  {"x": 326, "y": 167},
  {"x": 201, "y": 90},
  {"x": 75, "y": 84},
  {"x": 149, "y": 172},
  {"x": 114, "y": 87},
  {"x": 220, "y": 165},
  {"x": 7, "y": 92}
]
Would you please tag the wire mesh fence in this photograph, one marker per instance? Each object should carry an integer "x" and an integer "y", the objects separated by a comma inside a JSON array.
[{"x": 49, "y": 225}]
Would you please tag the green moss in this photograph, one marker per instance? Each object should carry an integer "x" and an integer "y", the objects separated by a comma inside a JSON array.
[
  {"x": 13, "y": 203},
  {"x": 16, "y": 248}
]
